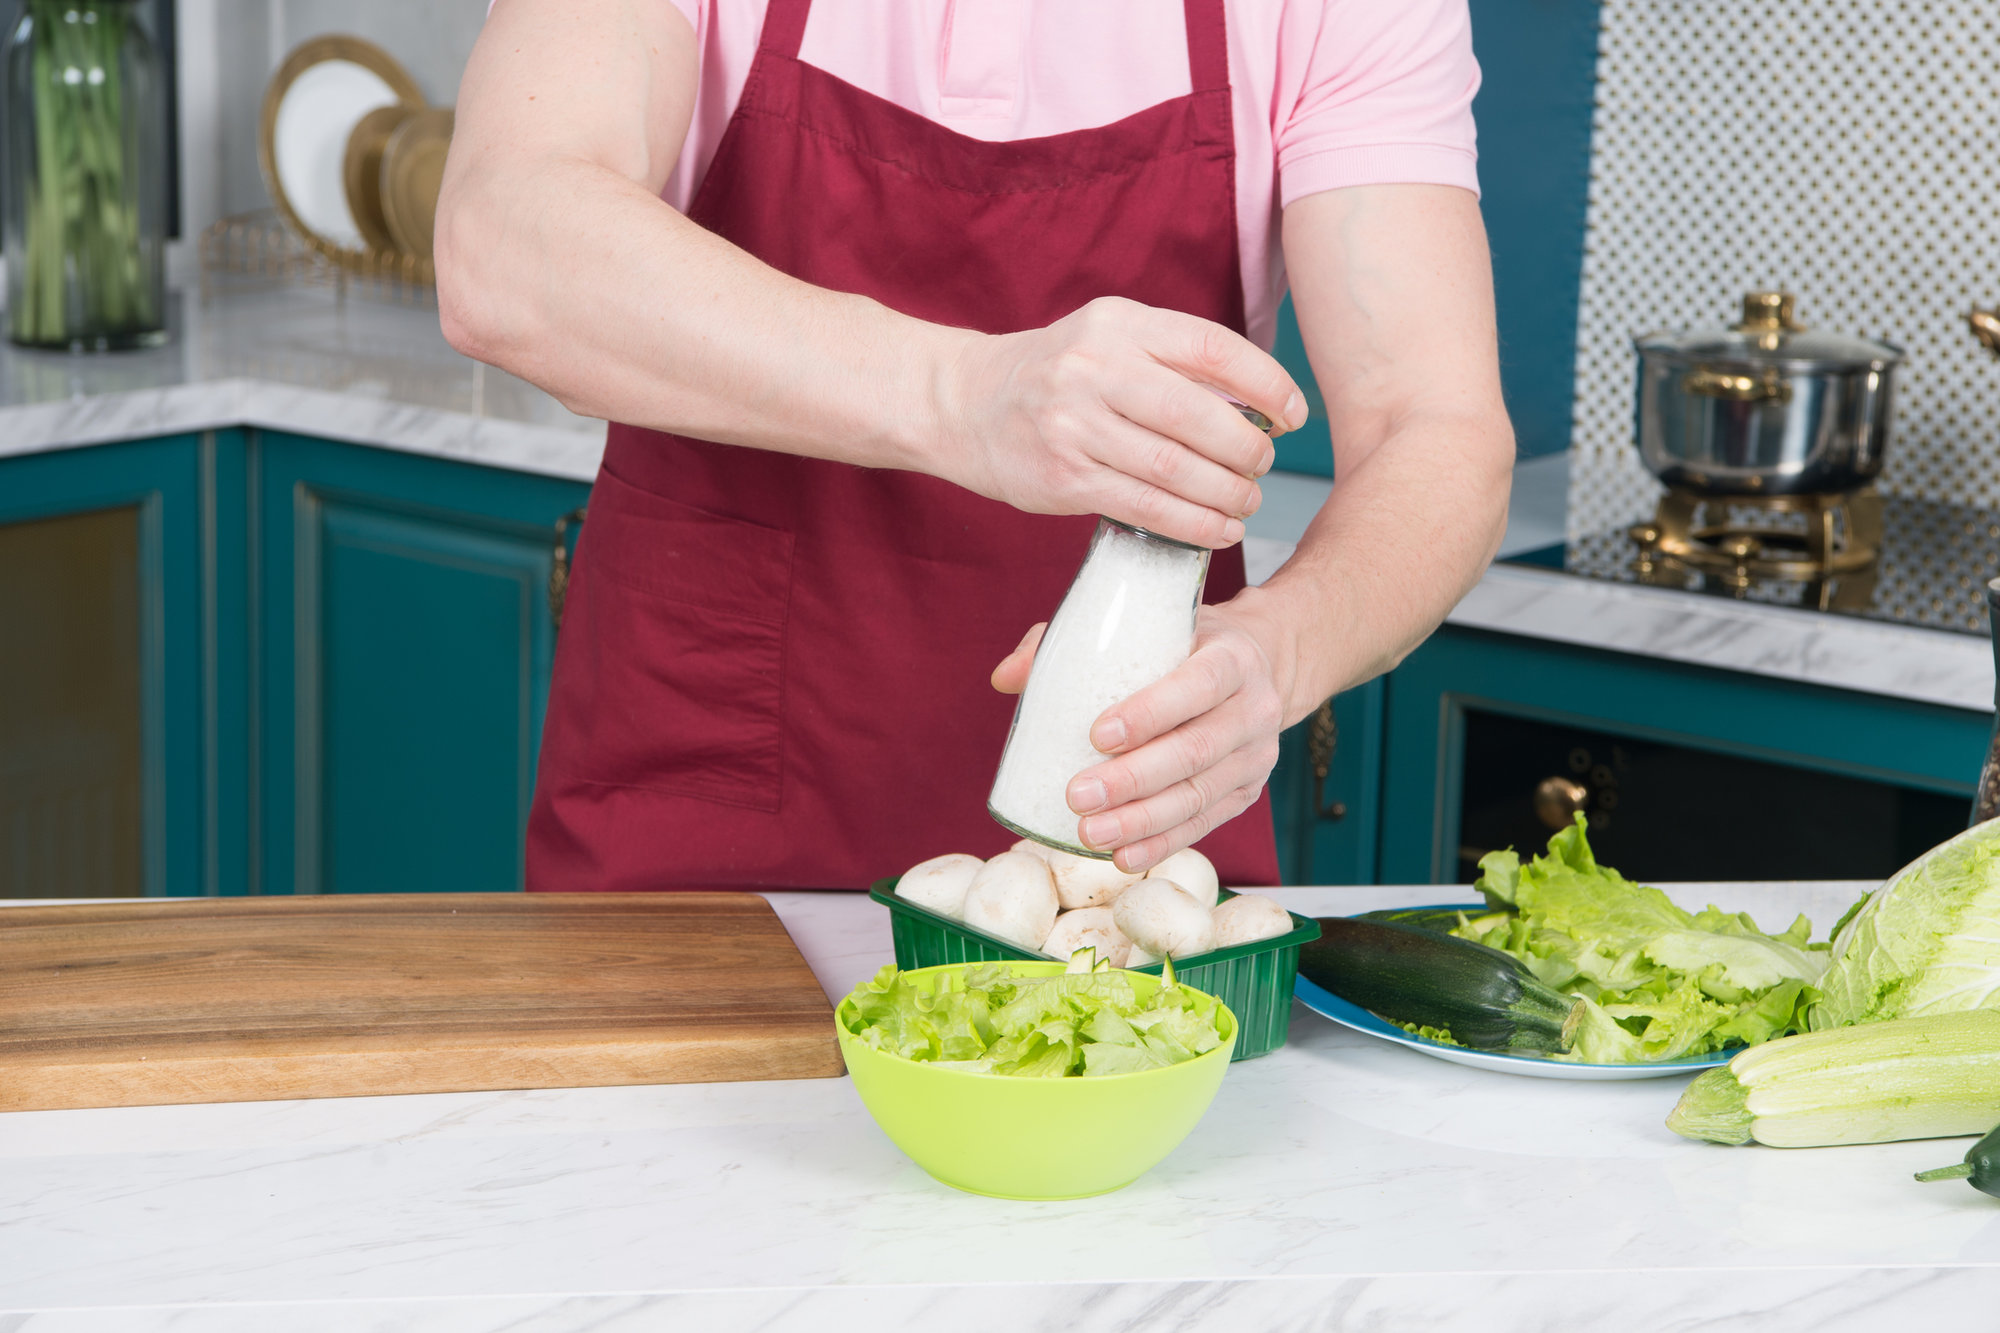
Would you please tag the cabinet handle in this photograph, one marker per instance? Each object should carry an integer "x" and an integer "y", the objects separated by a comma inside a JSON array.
[
  {"x": 1321, "y": 737},
  {"x": 559, "y": 567},
  {"x": 1558, "y": 799}
]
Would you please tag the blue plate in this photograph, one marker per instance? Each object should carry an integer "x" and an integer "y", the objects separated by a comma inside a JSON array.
[{"x": 1328, "y": 1005}]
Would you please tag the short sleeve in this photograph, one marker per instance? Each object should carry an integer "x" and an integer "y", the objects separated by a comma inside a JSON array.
[{"x": 1381, "y": 94}]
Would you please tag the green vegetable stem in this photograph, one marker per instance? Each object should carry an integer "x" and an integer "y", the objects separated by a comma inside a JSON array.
[
  {"x": 1980, "y": 1169},
  {"x": 87, "y": 270}
]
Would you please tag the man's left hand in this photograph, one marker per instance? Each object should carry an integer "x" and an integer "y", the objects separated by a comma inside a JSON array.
[{"x": 1187, "y": 753}]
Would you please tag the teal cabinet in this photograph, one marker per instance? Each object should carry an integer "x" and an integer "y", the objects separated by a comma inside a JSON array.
[
  {"x": 240, "y": 662},
  {"x": 1890, "y": 760},
  {"x": 404, "y": 668},
  {"x": 1325, "y": 792},
  {"x": 108, "y": 746}
]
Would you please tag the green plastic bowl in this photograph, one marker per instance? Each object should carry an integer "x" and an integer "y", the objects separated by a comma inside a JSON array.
[{"x": 1033, "y": 1138}]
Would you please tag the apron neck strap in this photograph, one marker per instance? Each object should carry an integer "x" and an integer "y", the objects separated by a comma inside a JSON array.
[
  {"x": 785, "y": 27},
  {"x": 1207, "y": 38},
  {"x": 1207, "y": 42}
]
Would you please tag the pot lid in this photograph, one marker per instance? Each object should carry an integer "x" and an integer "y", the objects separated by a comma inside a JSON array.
[{"x": 1769, "y": 333}]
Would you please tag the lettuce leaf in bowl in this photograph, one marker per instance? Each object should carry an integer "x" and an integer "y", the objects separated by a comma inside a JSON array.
[{"x": 991, "y": 1021}]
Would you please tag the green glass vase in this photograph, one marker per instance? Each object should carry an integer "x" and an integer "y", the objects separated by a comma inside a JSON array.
[{"x": 85, "y": 178}]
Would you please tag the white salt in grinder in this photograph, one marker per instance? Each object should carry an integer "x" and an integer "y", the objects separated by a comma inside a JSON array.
[{"x": 1126, "y": 621}]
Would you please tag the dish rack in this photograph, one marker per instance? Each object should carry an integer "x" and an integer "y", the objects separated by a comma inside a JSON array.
[{"x": 258, "y": 251}]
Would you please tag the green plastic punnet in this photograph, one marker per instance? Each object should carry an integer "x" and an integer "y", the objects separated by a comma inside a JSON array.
[{"x": 1254, "y": 980}]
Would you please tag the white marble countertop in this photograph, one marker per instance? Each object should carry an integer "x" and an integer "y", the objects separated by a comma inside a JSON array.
[
  {"x": 300, "y": 359},
  {"x": 1812, "y": 647},
  {"x": 364, "y": 371},
  {"x": 1340, "y": 1183}
]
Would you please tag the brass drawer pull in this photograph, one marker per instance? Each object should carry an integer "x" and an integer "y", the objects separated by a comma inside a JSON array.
[
  {"x": 559, "y": 566},
  {"x": 1321, "y": 737}
]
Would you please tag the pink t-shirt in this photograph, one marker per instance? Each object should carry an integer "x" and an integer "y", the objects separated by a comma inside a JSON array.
[{"x": 1326, "y": 93}]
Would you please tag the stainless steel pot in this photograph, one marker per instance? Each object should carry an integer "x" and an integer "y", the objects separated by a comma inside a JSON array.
[{"x": 1766, "y": 407}]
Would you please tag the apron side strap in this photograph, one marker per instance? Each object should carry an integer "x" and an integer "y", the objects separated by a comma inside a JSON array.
[
  {"x": 1207, "y": 42},
  {"x": 784, "y": 27}
]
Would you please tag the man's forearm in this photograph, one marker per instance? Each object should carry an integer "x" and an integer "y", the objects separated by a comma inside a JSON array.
[
  {"x": 573, "y": 277},
  {"x": 1400, "y": 539}
]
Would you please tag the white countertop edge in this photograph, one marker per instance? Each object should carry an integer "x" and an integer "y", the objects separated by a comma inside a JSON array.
[
  {"x": 1320, "y": 1185},
  {"x": 1843, "y": 652},
  {"x": 570, "y": 451}
]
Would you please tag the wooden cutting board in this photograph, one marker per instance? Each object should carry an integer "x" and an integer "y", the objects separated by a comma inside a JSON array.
[{"x": 249, "y": 999}]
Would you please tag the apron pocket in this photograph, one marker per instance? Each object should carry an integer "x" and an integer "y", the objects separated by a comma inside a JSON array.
[{"x": 683, "y": 613}]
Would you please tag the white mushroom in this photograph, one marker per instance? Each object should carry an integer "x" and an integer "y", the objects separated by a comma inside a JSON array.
[
  {"x": 1085, "y": 881},
  {"x": 1193, "y": 872},
  {"x": 1249, "y": 917},
  {"x": 1013, "y": 897},
  {"x": 1030, "y": 846},
  {"x": 940, "y": 883},
  {"x": 1088, "y": 928},
  {"x": 1163, "y": 919}
]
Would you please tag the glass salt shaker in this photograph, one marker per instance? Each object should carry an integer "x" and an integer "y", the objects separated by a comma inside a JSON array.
[{"x": 1126, "y": 621}]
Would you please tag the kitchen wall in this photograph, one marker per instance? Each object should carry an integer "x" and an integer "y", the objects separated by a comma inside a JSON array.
[
  {"x": 248, "y": 39},
  {"x": 1538, "y": 66},
  {"x": 1841, "y": 150}
]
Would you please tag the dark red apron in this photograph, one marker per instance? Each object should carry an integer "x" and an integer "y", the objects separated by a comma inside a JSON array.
[{"x": 773, "y": 671}]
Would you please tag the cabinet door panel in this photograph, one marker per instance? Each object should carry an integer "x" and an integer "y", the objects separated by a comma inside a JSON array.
[
  {"x": 102, "y": 729},
  {"x": 407, "y": 644},
  {"x": 72, "y": 725},
  {"x": 431, "y": 640}
]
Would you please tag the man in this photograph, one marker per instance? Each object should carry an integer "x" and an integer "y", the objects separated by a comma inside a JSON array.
[{"x": 891, "y": 296}]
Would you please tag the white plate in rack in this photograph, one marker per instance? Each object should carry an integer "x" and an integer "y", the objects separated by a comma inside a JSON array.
[{"x": 312, "y": 105}]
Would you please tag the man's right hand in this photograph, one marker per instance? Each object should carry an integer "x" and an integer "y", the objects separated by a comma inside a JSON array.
[{"x": 1114, "y": 410}]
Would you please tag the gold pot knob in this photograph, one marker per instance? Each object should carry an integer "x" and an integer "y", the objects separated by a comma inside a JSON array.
[
  {"x": 1558, "y": 799},
  {"x": 1769, "y": 312}
]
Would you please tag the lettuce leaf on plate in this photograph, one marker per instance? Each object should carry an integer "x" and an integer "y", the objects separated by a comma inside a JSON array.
[{"x": 1664, "y": 983}]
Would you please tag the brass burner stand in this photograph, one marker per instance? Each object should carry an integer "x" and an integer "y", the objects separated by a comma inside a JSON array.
[{"x": 1843, "y": 535}]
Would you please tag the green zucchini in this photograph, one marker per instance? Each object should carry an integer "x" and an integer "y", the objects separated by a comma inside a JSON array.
[
  {"x": 1443, "y": 920},
  {"x": 1486, "y": 999}
]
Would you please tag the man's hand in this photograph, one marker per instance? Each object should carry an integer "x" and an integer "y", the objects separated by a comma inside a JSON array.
[
  {"x": 1190, "y": 751},
  {"x": 1114, "y": 410}
]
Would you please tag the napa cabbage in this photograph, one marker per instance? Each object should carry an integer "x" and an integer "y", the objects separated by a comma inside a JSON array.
[{"x": 1926, "y": 942}]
